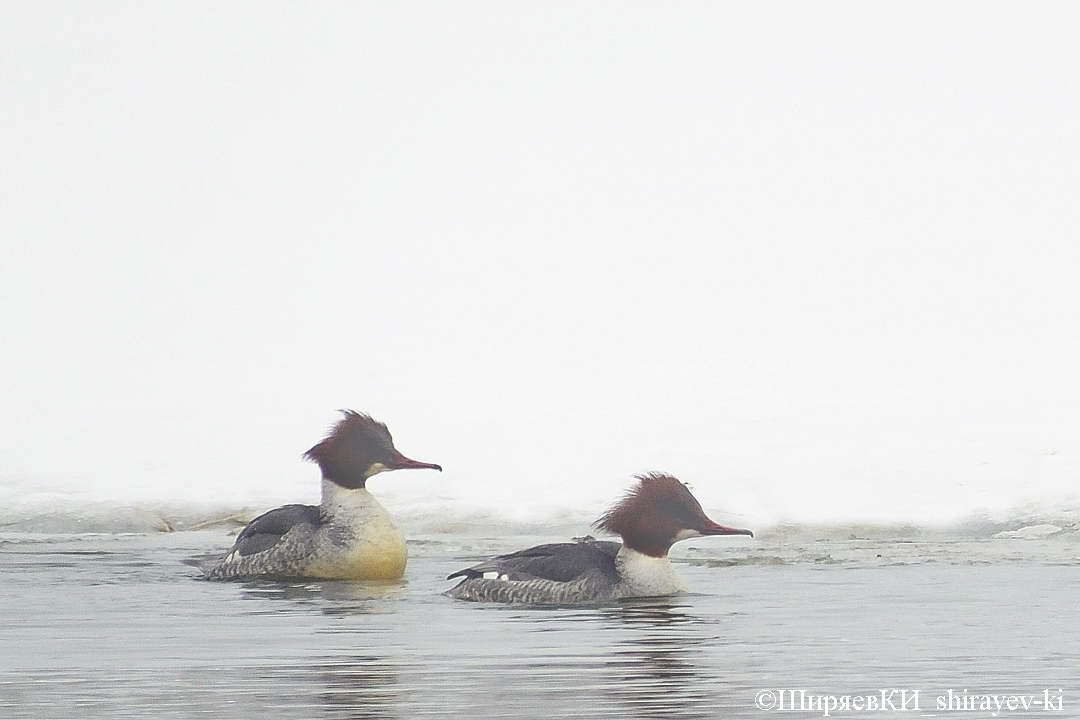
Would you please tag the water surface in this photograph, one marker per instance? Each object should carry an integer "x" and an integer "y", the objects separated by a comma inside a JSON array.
[{"x": 113, "y": 626}]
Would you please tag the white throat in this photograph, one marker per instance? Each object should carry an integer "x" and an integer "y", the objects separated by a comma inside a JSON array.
[
  {"x": 337, "y": 501},
  {"x": 647, "y": 576}
]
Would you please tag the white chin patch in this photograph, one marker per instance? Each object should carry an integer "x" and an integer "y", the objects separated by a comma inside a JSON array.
[
  {"x": 375, "y": 469},
  {"x": 686, "y": 535}
]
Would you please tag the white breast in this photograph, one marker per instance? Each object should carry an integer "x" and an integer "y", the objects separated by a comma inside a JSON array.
[
  {"x": 646, "y": 576},
  {"x": 359, "y": 539}
]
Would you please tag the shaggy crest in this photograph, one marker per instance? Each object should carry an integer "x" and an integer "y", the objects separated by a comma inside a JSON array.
[
  {"x": 655, "y": 513},
  {"x": 356, "y": 448},
  {"x": 658, "y": 491}
]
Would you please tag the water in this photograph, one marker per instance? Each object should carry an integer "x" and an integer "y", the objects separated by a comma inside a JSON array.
[{"x": 113, "y": 626}]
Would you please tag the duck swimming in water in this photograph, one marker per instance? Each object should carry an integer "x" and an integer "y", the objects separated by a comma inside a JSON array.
[
  {"x": 658, "y": 512},
  {"x": 348, "y": 536}
]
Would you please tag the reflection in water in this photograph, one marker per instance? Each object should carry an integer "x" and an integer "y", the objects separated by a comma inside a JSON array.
[
  {"x": 641, "y": 660},
  {"x": 655, "y": 612},
  {"x": 638, "y": 659},
  {"x": 358, "y": 597},
  {"x": 342, "y": 687},
  {"x": 657, "y": 670}
]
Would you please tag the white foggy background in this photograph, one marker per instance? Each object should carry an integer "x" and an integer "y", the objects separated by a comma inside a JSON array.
[{"x": 818, "y": 259}]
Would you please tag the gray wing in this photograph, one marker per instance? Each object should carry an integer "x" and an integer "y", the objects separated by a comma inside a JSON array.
[
  {"x": 558, "y": 562},
  {"x": 266, "y": 531}
]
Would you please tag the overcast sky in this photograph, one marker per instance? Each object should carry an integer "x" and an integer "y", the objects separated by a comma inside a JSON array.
[{"x": 804, "y": 255}]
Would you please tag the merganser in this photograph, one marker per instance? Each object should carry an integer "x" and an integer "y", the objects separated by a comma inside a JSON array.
[
  {"x": 656, "y": 513},
  {"x": 350, "y": 536}
]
